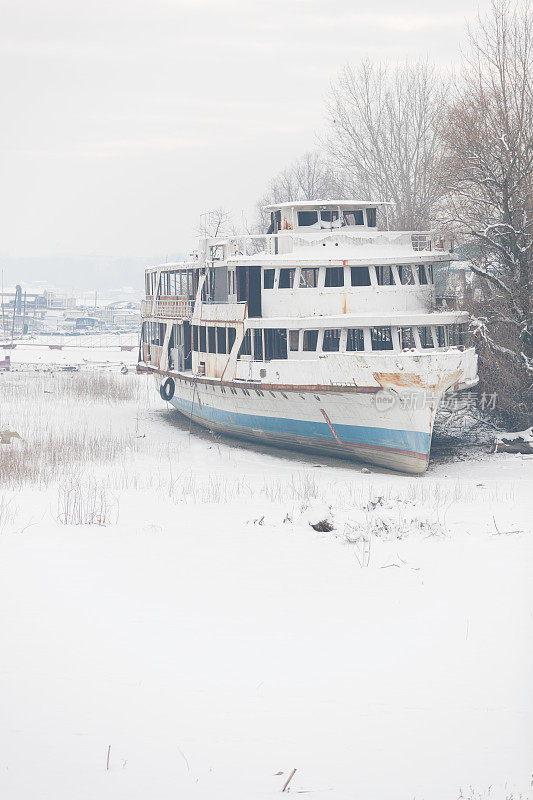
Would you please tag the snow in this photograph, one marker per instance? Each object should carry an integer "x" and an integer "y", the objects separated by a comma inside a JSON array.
[
  {"x": 526, "y": 436},
  {"x": 208, "y": 640}
]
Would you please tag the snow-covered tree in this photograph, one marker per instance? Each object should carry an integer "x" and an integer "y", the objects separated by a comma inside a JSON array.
[{"x": 488, "y": 133}]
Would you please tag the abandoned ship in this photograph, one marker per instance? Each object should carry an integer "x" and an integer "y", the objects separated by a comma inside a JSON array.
[{"x": 322, "y": 334}]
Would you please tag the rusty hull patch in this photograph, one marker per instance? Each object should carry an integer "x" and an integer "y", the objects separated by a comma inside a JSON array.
[{"x": 408, "y": 380}]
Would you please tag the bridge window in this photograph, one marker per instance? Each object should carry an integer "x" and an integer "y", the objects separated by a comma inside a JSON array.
[
  {"x": 310, "y": 341},
  {"x": 440, "y": 330},
  {"x": 231, "y": 281},
  {"x": 202, "y": 347},
  {"x": 354, "y": 217},
  {"x": 426, "y": 338},
  {"x": 231, "y": 338},
  {"x": 407, "y": 338},
  {"x": 360, "y": 276},
  {"x": 334, "y": 276},
  {"x": 195, "y": 338},
  {"x": 258, "y": 344},
  {"x": 307, "y": 218},
  {"x": 221, "y": 339},
  {"x": 355, "y": 339},
  {"x": 381, "y": 338},
  {"x": 332, "y": 339},
  {"x": 275, "y": 343},
  {"x": 329, "y": 215},
  {"x": 457, "y": 335},
  {"x": 385, "y": 276},
  {"x": 309, "y": 278},
  {"x": 294, "y": 340},
  {"x": 429, "y": 270},
  {"x": 268, "y": 278},
  {"x": 286, "y": 278},
  {"x": 371, "y": 217},
  {"x": 422, "y": 277},
  {"x": 212, "y": 339},
  {"x": 406, "y": 275},
  {"x": 246, "y": 345}
]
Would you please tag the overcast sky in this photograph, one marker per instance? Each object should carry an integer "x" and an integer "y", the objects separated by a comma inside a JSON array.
[{"x": 122, "y": 120}]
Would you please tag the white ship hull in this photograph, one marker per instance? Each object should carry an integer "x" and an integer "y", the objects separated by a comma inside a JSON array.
[{"x": 380, "y": 428}]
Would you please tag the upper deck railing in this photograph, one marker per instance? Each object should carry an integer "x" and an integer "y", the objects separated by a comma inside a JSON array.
[{"x": 173, "y": 308}]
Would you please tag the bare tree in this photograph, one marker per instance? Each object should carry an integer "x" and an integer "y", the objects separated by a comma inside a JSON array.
[
  {"x": 489, "y": 137},
  {"x": 311, "y": 177},
  {"x": 215, "y": 223},
  {"x": 383, "y": 137}
]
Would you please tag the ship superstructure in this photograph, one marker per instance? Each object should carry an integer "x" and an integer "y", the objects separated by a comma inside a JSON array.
[{"x": 321, "y": 334}]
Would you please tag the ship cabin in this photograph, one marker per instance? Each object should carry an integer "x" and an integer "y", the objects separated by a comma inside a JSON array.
[{"x": 322, "y": 280}]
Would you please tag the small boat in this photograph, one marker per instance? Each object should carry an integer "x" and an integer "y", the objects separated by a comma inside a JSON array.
[{"x": 322, "y": 334}]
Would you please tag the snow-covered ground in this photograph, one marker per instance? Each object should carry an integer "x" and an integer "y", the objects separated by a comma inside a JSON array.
[{"x": 201, "y": 640}]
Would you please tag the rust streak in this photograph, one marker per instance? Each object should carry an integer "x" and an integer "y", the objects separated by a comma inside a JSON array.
[{"x": 330, "y": 425}]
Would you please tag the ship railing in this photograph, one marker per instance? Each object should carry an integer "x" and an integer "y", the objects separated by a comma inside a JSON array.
[
  {"x": 422, "y": 241},
  {"x": 174, "y": 308}
]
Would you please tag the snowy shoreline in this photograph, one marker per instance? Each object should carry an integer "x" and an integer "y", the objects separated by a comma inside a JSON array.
[{"x": 207, "y": 640}]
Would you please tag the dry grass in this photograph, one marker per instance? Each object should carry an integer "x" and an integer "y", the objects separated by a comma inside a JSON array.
[
  {"x": 66, "y": 421},
  {"x": 86, "y": 502}
]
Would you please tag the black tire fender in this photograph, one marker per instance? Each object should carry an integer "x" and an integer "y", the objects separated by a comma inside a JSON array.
[{"x": 167, "y": 388}]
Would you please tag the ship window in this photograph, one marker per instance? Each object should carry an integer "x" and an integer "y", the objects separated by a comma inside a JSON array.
[
  {"x": 306, "y": 218},
  {"x": 275, "y": 343},
  {"x": 212, "y": 339},
  {"x": 407, "y": 338},
  {"x": 221, "y": 340},
  {"x": 429, "y": 268},
  {"x": 258, "y": 344},
  {"x": 332, "y": 339},
  {"x": 334, "y": 276},
  {"x": 355, "y": 339},
  {"x": 195, "y": 338},
  {"x": 231, "y": 281},
  {"x": 308, "y": 277},
  {"x": 354, "y": 217},
  {"x": 231, "y": 338},
  {"x": 441, "y": 335},
  {"x": 426, "y": 339},
  {"x": 217, "y": 252},
  {"x": 310, "y": 341},
  {"x": 294, "y": 340},
  {"x": 406, "y": 275},
  {"x": 385, "y": 276},
  {"x": 457, "y": 335},
  {"x": 286, "y": 278},
  {"x": 422, "y": 277},
  {"x": 381, "y": 338},
  {"x": 202, "y": 339},
  {"x": 371, "y": 217},
  {"x": 246, "y": 345},
  {"x": 360, "y": 276},
  {"x": 329, "y": 215},
  {"x": 268, "y": 278}
]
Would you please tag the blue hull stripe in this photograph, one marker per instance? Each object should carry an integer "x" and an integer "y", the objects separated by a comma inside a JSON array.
[{"x": 407, "y": 441}]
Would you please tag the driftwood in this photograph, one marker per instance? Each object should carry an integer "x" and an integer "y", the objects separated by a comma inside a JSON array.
[{"x": 289, "y": 779}]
